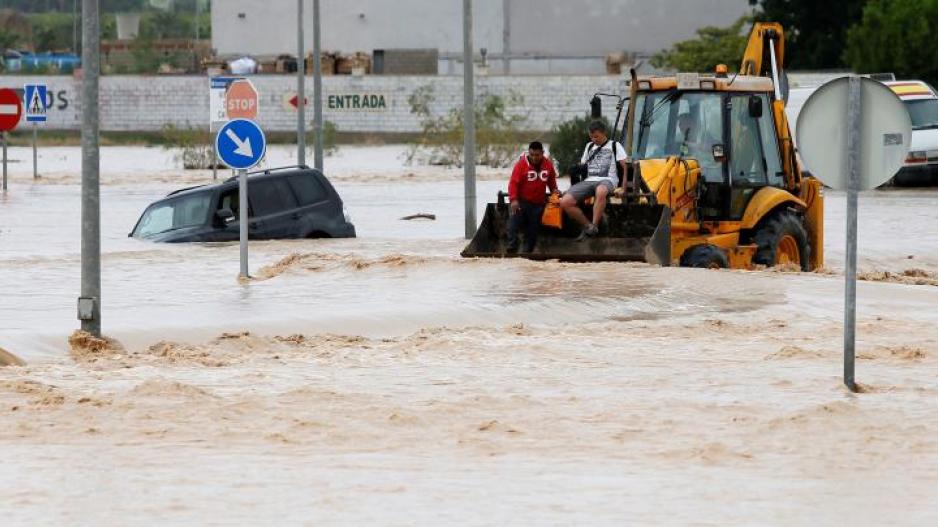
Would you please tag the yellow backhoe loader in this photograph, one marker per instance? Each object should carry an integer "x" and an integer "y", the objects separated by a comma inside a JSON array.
[{"x": 712, "y": 178}]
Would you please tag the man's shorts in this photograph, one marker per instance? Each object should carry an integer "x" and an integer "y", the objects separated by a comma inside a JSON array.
[{"x": 585, "y": 189}]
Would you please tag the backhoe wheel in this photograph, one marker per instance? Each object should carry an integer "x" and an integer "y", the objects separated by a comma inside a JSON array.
[
  {"x": 781, "y": 239},
  {"x": 706, "y": 257}
]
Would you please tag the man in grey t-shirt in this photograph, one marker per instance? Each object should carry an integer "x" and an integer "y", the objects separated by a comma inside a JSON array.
[{"x": 601, "y": 157}]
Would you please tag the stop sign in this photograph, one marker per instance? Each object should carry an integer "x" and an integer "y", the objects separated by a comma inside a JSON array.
[
  {"x": 11, "y": 109},
  {"x": 241, "y": 100}
]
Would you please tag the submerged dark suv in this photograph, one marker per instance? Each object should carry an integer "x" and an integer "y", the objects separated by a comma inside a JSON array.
[{"x": 292, "y": 202}]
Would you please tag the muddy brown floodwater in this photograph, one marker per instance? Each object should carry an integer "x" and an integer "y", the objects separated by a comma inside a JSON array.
[{"x": 386, "y": 381}]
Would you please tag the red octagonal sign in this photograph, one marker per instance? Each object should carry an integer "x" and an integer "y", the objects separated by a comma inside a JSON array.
[{"x": 11, "y": 109}]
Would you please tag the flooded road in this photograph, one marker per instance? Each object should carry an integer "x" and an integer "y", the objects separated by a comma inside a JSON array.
[{"x": 386, "y": 380}]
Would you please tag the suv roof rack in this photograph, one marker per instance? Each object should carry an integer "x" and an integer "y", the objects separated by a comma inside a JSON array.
[
  {"x": 183, "y": 190},
  {"x": 277, "y": 169},
  {"x": 271, "y": 170}
]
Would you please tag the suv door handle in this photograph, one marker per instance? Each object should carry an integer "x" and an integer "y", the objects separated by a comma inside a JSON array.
[
  {"x": 296, "y": 215},
  {"x": 254, "y": 224}
]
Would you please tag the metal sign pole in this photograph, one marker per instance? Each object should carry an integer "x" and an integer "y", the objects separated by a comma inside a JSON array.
[
  {"x": 89, "y": 304},
  {"x": 214, "y": 159},
  {"x": 469, "y": 162},
  {"x": 3, "y": 136},
  {"x": 243, "y": 219},
  {"x": 35, "y": 156},
  {"x": 300, "y": 88},
  {"x": 854, "y": 111},
  {"x": 317, "y": 89}
]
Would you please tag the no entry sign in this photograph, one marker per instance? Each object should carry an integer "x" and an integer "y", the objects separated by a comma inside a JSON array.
[
  {"x": 11, "y": 109},
  {"x": 241, "y": 100}
]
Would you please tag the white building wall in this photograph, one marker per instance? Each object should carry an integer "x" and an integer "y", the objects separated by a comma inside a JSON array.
[
  {"x": 544, "y": 36},
  {"x": 269, "y": 27}
]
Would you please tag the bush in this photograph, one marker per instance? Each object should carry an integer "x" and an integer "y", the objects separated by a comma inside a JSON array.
[
  {"x": 569, "y": 139},
  {"x": 195, "y": 146},
  {"x": 498, "y": 138},
  {"x": 896, "y": 36},
  {"x": 329, "y": 131}
]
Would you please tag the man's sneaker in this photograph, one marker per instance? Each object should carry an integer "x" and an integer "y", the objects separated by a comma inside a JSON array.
[{"x": 588, "y": 232}]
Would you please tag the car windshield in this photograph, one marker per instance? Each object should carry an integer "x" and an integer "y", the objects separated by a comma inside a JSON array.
[
  {"x": 685, "y": 124},
  {"x": 924, "y": 113},
  {"x": 187, "y": 211},
  {"x": 677, "y": 123}
]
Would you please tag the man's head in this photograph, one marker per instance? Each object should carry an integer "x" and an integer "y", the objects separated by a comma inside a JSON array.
[
  {"x": 598, "y": 132},
  {"x": 536, "y": 152}
]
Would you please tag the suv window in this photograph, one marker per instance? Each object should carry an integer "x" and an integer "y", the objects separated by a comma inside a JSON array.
[
  {"x": 308, "y": 189},
  {"x": 186, "y": 211},
  {"x": 229, "y": 200},
  {"x": 270, "y": 196}
]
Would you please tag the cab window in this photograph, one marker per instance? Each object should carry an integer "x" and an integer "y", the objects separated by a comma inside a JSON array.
[
  {"x": 746, "y": 157},
  {"x": 688, "y": 124},
  {"x": 773, "y": 160}
]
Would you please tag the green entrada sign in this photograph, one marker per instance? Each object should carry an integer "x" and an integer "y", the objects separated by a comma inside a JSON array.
[{"x": 357, "y": 101}]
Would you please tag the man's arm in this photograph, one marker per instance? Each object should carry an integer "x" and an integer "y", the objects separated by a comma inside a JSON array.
[
  {"x": 586, "y": 153},
  {"x": 514, "y": 185},
  {"x": 613, "y": 173}
]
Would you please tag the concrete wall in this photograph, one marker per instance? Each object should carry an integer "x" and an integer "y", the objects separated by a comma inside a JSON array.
[
  {"x": 568, "y": 36},
  {"x": 136, "y": 103},
  {"x": 355, "y": 104}
]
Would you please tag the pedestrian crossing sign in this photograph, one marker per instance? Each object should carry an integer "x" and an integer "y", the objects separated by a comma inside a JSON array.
[{"x": 34, "y": 102}]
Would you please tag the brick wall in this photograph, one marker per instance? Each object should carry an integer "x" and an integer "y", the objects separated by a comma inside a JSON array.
[{"x": 372, "y": 103}]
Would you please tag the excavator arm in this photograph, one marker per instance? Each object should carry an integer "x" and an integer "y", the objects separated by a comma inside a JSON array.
[
  {"x": 764, "y": 56},
  {"x": 765, "y": 52}
]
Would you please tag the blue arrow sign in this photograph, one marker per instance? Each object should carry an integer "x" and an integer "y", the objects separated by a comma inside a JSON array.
[
  {"x": 240, "y": 143},
  {"x": 34, "y": 102}
]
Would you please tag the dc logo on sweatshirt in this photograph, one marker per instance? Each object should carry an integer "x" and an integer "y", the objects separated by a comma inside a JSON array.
[{"x": 534, "y": 176}]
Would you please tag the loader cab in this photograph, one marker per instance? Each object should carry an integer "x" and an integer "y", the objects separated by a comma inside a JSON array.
[{"x": 731, "y": 135}]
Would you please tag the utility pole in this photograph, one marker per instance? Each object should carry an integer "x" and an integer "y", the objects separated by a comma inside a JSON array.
[
  {"x": 300, "y": 88},
  {"x": 506, "y": 36},
  {"x": 317, "y": 87},
  {"x": 75, "y": 27},
  {"x": 469, "y": 161},
  {"x": 89, "y": 304}
]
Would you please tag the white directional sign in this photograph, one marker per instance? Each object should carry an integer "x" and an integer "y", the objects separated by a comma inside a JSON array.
[
  {"x": 218, "y": 87},
  {"x": 34, "y": 101}
]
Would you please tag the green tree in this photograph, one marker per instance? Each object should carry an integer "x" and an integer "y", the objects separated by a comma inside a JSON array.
[
  {"x": 8, "y": 40},
  {"x": 713, "y": 45},
  {"x": 896, "y": 36},
  {"x": 815, "y": 32}
]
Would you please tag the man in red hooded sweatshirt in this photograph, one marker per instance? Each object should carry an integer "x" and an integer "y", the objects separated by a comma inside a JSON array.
[{"x": 527, "y": 190}]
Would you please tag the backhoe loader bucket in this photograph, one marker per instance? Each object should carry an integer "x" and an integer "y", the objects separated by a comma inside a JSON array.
[{"x": 631, "y": 233}]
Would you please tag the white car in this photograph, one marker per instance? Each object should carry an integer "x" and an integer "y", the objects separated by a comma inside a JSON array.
[{"x": 921, "y": 166}]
